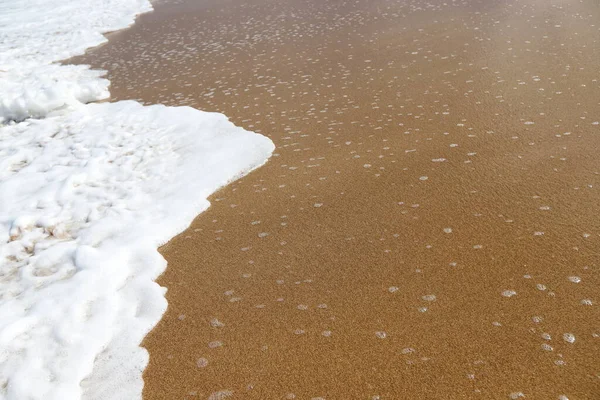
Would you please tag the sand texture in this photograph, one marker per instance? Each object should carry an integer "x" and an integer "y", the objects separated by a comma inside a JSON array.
[{"x": 429, "y": 225}]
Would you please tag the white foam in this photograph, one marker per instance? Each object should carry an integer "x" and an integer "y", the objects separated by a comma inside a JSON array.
[
  {"x": 87, "y": 194},
  {"x": 86, "y": 198},
  {"x": 36, "y": 33}
]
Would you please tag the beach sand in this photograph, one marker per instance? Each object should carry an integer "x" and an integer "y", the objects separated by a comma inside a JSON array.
[{"x": 428, "y": 227}]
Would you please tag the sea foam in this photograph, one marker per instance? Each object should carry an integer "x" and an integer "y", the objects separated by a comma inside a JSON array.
[
  {"x": 36, "y": 33},
  {"x": 87, "y": 194}
]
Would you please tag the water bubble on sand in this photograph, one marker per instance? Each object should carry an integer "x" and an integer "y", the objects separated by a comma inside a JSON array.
[
  {"x": 447, "y": 230},
  {"x": 220, "y": 395},
  {"x": 202, "y": 362},
  {"x": 547, "y": 347},
  {"x": 569, "y": 338},
  {"x": 381, "y": 334},
  {"x": 317, "y": 205},
  {"x": 509, "y": 293},
  {"x": 423, "y": 178},
  {"x": 215, "y": 323}
]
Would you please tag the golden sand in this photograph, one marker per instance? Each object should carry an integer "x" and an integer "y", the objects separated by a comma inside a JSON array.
[{"x": 428, "y": 227}]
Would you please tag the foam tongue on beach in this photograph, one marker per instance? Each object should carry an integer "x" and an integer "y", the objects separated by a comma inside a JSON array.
[
  {"x": 36, "y": 33},
  {"x": 87, "y": 194}
]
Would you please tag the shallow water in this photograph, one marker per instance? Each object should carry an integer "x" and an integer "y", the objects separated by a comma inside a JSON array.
[{"x": 428, "y": 227}]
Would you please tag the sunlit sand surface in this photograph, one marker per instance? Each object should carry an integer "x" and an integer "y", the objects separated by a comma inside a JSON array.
[{"x": 428, "y": 227}]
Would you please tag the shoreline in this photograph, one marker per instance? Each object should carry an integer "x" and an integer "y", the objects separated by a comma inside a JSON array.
[
  {"x": 429, "y": 214},
  {"x": 89, "y": 193}
]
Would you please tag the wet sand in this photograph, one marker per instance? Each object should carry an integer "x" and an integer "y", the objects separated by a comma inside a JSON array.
[{"x": 428, "y": 227}]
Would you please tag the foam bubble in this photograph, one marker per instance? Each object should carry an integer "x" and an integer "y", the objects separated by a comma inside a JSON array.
[
  {"x": 202, "y": 362},
  {"x": 569, "y": 338},
  {"x": 125, "y": 179}
]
